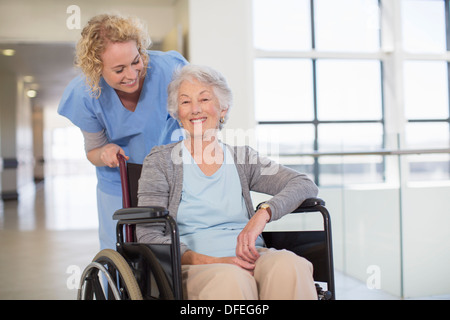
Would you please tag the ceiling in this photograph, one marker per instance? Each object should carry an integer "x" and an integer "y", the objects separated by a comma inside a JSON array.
[{"x": 51, "y": 66}]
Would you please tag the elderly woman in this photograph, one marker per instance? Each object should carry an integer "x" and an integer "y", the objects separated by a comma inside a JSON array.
[{"x": 206, "y": 184}]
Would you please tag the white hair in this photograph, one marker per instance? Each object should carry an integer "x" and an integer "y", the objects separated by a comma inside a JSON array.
[{"x": 205, "y": 75}]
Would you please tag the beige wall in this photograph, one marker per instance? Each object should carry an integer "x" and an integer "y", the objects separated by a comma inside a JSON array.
[{"x": 46, "y": 20}]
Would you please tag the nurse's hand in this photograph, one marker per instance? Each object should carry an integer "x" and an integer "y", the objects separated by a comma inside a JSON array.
[
  {"x": 109, "y": 155},
  {"x": 106, "y": 155}
]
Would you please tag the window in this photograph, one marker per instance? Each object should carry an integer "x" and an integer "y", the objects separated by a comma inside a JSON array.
[
  {"x": 305, "y": 103},
  {"x": 320, "y": 80},
  {"x": 426, "y": 86},
  {"x": 288, "y": 28},
  {"x": 286, "y": 84},
  {"x": 346, "y": 25},
  {"x": 423, "y": 26},
  {"x": 67, "y": 143},
  {"x": 348, "y": 90},
  {"x": 426, "y": 90}
]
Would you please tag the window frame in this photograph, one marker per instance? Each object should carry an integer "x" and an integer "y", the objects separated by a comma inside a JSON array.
[{"x": 389, "y": 55}]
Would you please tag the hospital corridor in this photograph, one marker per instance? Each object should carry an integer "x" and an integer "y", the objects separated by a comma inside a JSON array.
[{"x": 351, "y": 95}]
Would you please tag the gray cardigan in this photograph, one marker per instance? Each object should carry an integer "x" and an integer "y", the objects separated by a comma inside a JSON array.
[{"x": 161, "y": 184}]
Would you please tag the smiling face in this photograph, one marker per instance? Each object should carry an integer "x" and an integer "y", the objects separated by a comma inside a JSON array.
[
  {"x": 198, "y": 108},
  {"x": 122, "y": 66}
]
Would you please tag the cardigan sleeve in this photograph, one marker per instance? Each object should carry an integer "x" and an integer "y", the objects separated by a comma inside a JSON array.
[
  {"x": 155, "y": 190},
  {"x": 288, "y": 187}
]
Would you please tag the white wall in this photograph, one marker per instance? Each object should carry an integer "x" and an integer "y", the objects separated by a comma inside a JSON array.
[
  {"x": 220, "y": 35},
  {"x": 426, "y": 240},
  {"x": 368, "y": 232}
]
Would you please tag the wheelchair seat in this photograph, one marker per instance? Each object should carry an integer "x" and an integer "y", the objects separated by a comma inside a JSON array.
[{"x": 160, "y": 265}]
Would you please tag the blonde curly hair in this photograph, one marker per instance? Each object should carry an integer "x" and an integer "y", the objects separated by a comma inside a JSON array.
[{"x": 97, "y": 34}]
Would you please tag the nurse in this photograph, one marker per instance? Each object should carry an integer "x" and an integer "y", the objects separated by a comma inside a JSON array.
[{"x": 119, "y": 103}]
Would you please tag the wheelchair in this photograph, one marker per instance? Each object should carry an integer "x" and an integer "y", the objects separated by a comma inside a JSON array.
[{"x": 137, "y": 271}]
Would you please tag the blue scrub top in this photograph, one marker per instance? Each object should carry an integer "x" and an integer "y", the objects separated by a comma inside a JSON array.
[{"x": 136, "y": 132}]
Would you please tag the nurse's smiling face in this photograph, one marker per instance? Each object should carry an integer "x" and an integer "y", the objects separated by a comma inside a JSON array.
[{"x": 122, "y": 66}]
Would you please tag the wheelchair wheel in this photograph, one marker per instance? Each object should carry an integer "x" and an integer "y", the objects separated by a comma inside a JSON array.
[{"x": 115, "y": 269}]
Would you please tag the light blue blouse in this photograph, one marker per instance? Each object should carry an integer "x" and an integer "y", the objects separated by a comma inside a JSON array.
[
  {"x": 212, "y": 210},
  {"x": 136, "y": 132}
]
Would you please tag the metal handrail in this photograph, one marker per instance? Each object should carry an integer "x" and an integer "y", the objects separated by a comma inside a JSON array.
[{"x": 366, "y": 153}]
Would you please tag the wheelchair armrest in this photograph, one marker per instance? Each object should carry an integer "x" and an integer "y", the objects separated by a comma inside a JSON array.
[
  {"x": 140, "y": 213},
  {"x": 309, "y": 204}
]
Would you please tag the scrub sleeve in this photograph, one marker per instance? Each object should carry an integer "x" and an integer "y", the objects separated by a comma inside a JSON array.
[{"x": 135, "y": 132}]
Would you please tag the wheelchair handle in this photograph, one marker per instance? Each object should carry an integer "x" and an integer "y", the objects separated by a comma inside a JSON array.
[{"x": 126, "y": 203}]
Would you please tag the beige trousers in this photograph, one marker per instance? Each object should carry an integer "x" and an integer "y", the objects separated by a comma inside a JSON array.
[{"x": 278, "y": 275}]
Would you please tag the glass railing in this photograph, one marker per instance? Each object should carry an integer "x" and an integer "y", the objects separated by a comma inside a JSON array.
[{"x": 390, "y": 213}]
